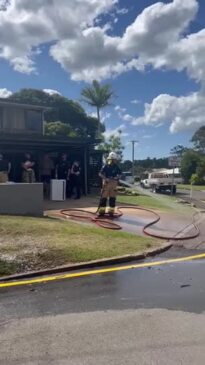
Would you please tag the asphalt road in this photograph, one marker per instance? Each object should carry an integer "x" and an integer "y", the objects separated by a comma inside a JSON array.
[
  {"x": 198, "y": 197},
  {"x": 149, "y": 316}
]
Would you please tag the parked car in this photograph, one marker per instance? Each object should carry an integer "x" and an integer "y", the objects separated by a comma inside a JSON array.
[{"x": 159, "y": 182}]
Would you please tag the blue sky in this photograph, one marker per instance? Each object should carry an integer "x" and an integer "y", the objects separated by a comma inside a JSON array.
[{"x": 151, "y": 53}]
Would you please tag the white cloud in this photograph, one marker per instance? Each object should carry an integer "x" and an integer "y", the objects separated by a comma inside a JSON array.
[
  {"x": 181, "y": 113},
  {"x": 25, "y": 25},
  {"x": 158, "y": 37},
  {"x": 189, "y": 53},
  {"x": 113, "y": 132},
  {"x": 103, "y": 115},
  {"x": 155, "y": 37},
  {"x": 86, "y": 51},
  {"x": 135, "y": 101},
  {"x": 126, "y": 117},
  {"x": 157, "y": 28},
  {"x": 4, "y": 93},
  {"x": 148, "y": 136},
  {"x": 123, "y": 115},
  {"x": 118, "y": 108},
  {"x": 117, "y": 12},
  {"x": 4, "y": 4},
  {"x": 51, "y": 92},
  {"x": 122, "y": 11}
]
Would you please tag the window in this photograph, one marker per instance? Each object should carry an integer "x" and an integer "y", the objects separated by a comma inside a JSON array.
[
  {"x": 158, "y": 176},
  {"x": 34, "y": 120},
  {"x": 14, "y": 119}
]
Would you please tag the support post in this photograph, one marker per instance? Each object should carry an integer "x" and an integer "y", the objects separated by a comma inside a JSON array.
[
  {"x": 86, "y": 171},
  {"x": 133, "y": 160},
  {"x": 172, "y": 190}
]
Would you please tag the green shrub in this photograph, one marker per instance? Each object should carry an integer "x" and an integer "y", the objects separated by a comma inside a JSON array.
[{"x": 196, "y": 180}]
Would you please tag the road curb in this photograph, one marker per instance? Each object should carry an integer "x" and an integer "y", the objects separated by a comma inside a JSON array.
[{"x": 89, "y": 264}]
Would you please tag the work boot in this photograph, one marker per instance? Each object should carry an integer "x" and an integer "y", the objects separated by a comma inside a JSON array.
[
  {"x": 111, "y": 212},
  {"x": 101, "y": 212}
]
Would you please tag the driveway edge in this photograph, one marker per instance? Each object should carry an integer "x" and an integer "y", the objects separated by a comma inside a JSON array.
[{"x": 90, "y": 264}]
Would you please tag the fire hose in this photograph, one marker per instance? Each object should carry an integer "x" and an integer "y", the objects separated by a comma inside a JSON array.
[{"x": 107, "y": 222}]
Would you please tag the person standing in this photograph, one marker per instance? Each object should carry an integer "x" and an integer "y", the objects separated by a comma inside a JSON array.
[
  {"x": 63, "y": 169},
  {"x": 5, "y": 168},
  {"x": 46, "y": 168},
  {"x": 75, "y": 179},
  {"x": 110, "y": 174},
  {"x": 28, "y": 174}
]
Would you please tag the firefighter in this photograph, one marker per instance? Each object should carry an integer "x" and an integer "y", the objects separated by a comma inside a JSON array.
[{"x": 110, "y": 174}]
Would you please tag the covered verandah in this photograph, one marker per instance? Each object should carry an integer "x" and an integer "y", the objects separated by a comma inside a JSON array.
[{"x": 14, "y": 146}]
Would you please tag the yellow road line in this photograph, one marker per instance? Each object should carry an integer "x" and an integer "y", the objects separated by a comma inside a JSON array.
[{"x": 100, "y": 271}]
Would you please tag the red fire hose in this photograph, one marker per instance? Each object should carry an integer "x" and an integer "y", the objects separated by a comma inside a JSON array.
[{"x": 108, "y": 223}]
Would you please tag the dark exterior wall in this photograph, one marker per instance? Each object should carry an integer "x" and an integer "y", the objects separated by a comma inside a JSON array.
[{"x": 94, "y": 166}]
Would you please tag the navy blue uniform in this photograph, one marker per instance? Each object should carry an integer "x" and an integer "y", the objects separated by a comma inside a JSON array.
[{"x": 110, "y": 171}]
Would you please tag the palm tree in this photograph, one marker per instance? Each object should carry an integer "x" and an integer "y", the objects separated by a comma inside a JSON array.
[{"x": 98, "y": 96}]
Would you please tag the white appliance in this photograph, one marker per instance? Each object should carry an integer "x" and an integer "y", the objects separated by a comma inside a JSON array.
[{"x": 58, "y": 190}]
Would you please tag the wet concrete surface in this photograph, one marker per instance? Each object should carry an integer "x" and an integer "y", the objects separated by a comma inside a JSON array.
[
  {"x": 171, "y": 224},
  {"x": 134, "y": 220}
]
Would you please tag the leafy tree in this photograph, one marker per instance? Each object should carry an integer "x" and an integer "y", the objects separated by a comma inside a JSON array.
[
  {"x": 113, "y": 143},
  {"x": 178, "y": 150},
  {"x": 190, "y": 161},
  {"x": 97, "y": 96},
  {"x": 58, "y": 129},
  {"x": 126, "y": 165},
  {"x": 196, "y": 180},
  {"x": 31, "y": 96},
  {"x": 62, "y": 109},
  {"x": 201, "y": 169},
  {"x": 198, "y": 140}
]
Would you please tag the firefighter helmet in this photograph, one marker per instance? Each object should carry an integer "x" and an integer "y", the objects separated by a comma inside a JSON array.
[{"x": 112, "y": 156}]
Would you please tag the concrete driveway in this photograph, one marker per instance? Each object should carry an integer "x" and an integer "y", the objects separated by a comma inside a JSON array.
[{"x": 133, "y": 220}]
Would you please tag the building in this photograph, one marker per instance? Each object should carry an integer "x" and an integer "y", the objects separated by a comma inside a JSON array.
[{"x": 22, "y": 131}]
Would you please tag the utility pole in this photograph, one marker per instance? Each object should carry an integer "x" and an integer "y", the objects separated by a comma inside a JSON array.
[{"x": 133, "y": 160}]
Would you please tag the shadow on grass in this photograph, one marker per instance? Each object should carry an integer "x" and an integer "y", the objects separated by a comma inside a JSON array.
[{"x": 9, "y": 268}]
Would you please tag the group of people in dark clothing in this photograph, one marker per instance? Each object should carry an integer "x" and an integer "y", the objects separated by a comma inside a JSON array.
[
  {"x": 63, "y": 169},
  {"x": 71, "y": 173},
  {"x": 47, "y": 170}
]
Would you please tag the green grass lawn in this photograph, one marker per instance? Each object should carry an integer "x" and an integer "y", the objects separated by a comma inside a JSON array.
[
  {"x": 37, "y": 243},
  {"x": 188, "y": 187},
  {"x": 161, "y": 202}
]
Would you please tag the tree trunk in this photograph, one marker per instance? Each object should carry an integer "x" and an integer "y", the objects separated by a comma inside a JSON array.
[{"x": 98, "y": 116}]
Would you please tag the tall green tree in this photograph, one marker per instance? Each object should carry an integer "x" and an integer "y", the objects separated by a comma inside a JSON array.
[
  {"x": 58, "y": 129},
  {"x": 198, "y": 140},
  {"x": 61, "y": 109},
  {"x": 189, "y": 164},
  {"x": 113, "y": 144},
  {"x": 201, "y": 169},
  {"x": 178, "y": 150},
  {"x": 98, "y": 96}
]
